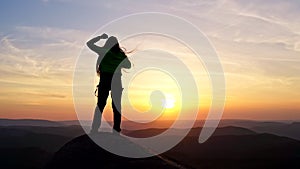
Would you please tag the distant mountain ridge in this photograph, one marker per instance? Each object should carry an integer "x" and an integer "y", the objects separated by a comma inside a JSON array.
[
  {"x": 282, "y": 128},
  {"x": 28, "y": 122},
  {"x": 228, "y": 130}
]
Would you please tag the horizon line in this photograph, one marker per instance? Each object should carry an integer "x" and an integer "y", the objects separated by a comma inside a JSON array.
[{"x": 237, "y": 119}]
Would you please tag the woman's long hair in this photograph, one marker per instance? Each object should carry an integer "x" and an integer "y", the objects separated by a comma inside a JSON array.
[{"x": 113, "y": 45}]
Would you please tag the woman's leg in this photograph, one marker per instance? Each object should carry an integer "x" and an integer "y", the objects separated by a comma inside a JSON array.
[
  {"x": 103, "y": 92},
  {"x": 116, "y": 94},
  {"x": 116, "y": 105},
  {"x": 96, "y": 120}
]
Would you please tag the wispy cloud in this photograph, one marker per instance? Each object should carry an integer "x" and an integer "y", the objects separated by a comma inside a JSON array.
[
  {"x": 38, "y": 62},
  {"x": 40, "y": 52}
]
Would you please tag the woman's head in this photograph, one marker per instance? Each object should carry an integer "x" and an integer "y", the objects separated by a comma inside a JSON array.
[{"x": 112, "y": 44}]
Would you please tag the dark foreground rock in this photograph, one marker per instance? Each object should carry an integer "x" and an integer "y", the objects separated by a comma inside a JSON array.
[{"x": 83, "y": 152}]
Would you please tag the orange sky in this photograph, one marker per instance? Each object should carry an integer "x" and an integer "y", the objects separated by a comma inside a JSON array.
[{"x": 258, "y": 45}]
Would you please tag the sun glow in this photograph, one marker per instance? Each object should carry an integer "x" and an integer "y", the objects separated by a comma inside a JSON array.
[
  {"x": 168, "y": 102},
  {"x": 151, "y": 99}
]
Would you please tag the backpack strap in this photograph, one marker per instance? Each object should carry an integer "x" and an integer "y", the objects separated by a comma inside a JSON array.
[{"x": 96, "y": 90}]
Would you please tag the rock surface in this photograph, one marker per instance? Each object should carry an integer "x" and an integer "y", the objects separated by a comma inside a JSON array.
[{"x": 83, "y": 152}]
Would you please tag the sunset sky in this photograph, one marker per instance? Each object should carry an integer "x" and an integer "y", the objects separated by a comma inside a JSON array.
[{"x": 258, "y": 44}]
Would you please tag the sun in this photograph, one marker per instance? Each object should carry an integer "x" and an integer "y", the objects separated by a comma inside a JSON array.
[{"x": 168, "y": 102}]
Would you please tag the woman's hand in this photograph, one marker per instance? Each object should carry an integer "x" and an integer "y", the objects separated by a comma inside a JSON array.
[{"x": 104, "y": 36}]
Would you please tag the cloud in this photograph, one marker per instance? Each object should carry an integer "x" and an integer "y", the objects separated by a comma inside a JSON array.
[
  {"x": 22, "y": 62},
  {"x": 49, "y": 35},
  {"x": 297, "y": 46},
  {"x": 47, "y": 95},
  {"x": 245, "y": 21},
  {"x": 41, "y": 51},
  {"x": 256, "y": 38},
  {"x": 40, "y": 58}
]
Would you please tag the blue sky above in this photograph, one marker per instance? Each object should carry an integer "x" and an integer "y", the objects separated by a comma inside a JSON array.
[{"x": 64, "y": 14}]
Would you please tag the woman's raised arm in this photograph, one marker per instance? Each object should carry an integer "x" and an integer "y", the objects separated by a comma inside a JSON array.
[{"x": 95, "y": 48}]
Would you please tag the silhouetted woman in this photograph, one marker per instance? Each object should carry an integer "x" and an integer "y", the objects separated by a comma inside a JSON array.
[{"x": 111, "y": 59}]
